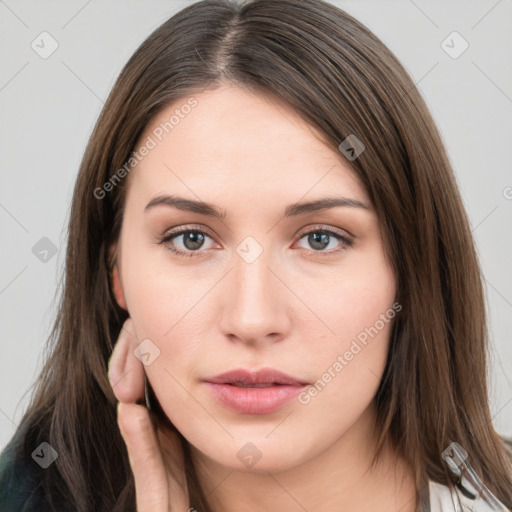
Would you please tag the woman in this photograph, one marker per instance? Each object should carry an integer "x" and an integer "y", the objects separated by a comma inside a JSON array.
[{"x": 264, "y": 203}]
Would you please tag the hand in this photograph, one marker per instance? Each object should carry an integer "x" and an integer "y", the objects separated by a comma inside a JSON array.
[{"x": 155, "y": 452}]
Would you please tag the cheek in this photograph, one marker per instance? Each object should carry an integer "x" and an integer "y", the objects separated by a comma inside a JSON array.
[
  {"x": 164, "y": 312},
  {"x": 170, "y": 320},
  {"x": 353, "y": 304},
  {"x": 157, "y": 295},
  {"x": 357, "y": 314}
]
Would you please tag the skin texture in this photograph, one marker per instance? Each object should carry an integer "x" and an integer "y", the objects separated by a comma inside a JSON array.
[{"x": 296, "y": 308}]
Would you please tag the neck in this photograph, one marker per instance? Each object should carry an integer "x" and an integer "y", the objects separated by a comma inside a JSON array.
[{"x": 339, "y": 478}]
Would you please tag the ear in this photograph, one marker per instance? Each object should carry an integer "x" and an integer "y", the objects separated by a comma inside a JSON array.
[
  {"x": 116, "y": 281},
  {"x": 117, "y": 288}
]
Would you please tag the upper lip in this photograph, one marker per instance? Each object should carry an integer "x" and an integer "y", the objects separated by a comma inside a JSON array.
[{"x": 263, "y": 376}]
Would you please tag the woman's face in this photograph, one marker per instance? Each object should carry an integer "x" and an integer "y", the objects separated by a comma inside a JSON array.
[{"x": 262, "y": 285}]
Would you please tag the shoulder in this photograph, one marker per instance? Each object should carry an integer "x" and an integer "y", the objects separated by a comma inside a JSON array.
[
  {"x": 19, "y": 489},
  {"x": 444, "y": 499}
]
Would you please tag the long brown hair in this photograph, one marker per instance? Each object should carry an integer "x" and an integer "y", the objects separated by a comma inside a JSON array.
[{"x": 344, "y": 81}]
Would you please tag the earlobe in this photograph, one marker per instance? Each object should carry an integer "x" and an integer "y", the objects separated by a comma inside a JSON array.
[{"x": 116, "y": 288}]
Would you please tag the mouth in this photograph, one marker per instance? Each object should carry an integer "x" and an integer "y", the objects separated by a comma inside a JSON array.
[
  {"x": 265, "y": 377},
  {"x": 261, "y": 392},
  {"x": 241, "y": 384}
]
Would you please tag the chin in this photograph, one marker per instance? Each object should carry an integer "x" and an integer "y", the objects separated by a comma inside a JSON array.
[{"x": 253, "y": 454}]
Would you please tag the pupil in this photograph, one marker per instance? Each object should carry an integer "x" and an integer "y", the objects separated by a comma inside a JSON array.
[
  {"x": 196, "y": 239},
  {"x": 319, "y": 240}
]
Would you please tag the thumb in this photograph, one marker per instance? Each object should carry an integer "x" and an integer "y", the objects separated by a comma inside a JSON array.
[{"x": 148, "y": 468}]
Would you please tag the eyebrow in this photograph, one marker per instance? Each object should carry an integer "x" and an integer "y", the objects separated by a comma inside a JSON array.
[{"x": 292, "y": 210}]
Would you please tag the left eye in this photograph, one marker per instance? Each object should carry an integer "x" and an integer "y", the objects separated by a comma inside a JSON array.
[
  {"x": 193, "y": 240},
  {"x": 319, "y": 239}
]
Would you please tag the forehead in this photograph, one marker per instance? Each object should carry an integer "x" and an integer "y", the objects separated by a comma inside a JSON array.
[{"x": 241, "y": 143}]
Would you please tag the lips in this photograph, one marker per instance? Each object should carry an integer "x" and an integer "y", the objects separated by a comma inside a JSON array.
[
  {"x": 262, "y": 378},
  {"x": 261, "y": 392}
]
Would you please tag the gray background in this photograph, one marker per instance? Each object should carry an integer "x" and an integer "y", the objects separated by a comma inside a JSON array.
[{"x": 49, "y": 106}]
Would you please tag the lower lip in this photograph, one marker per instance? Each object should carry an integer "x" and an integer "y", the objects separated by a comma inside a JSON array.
[{"x": 254, "y": 400}]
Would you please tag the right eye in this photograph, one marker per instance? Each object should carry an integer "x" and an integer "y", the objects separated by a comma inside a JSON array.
[{"x": 192, "y": 241}]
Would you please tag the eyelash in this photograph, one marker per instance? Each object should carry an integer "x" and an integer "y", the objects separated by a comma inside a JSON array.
[{"x": 346, "y": 241}]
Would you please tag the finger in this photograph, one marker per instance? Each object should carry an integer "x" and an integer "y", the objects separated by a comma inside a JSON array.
[
  {"x": 173, "y": 456},
  {"x": 151, "y": 484},
  {"x": 125, "y": 370}
]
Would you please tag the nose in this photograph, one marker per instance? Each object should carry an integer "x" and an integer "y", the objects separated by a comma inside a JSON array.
[{"x": 255, "y": 302}]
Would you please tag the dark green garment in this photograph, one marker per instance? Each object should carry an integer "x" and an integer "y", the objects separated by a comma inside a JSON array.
[
  {"x": 20, "y": 489},
  {"x": 21, "y": 481}
]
